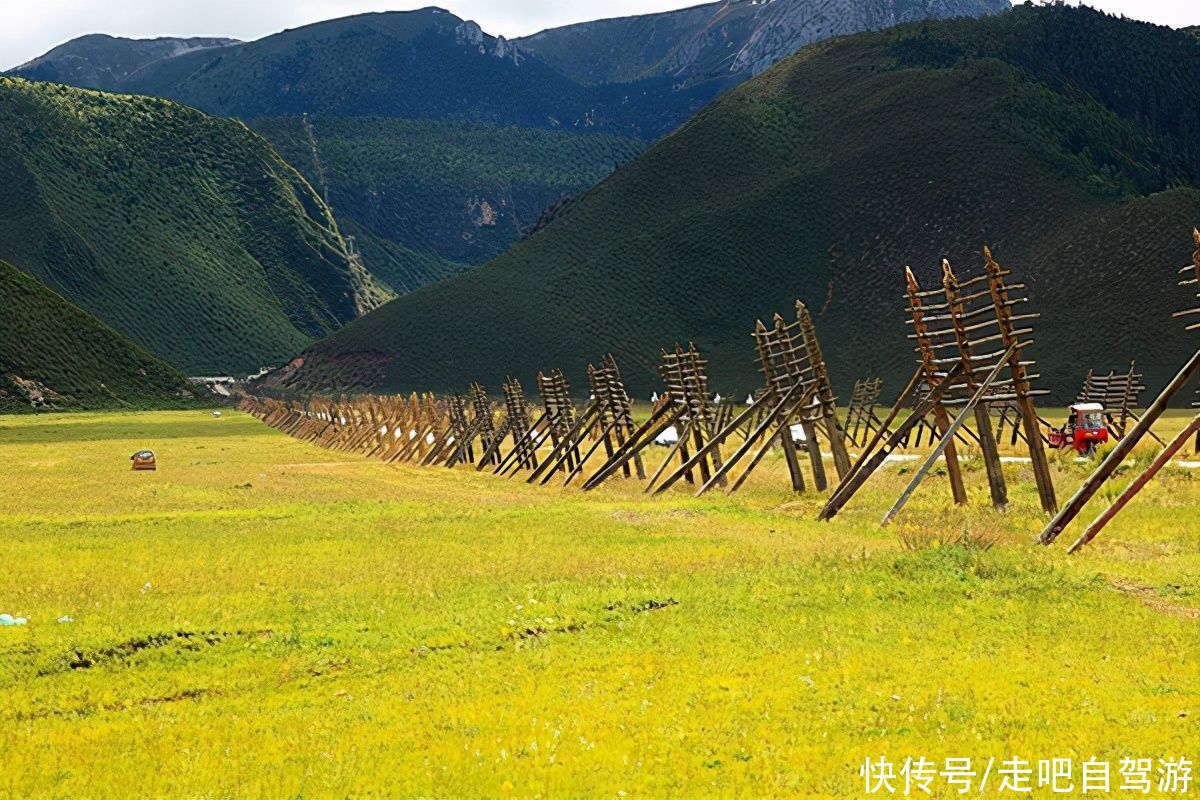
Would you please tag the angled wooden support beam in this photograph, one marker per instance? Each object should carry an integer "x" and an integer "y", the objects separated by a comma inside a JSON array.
[
  {"x": 722, "y": 469},
  {"x": 492, "y": 454},
  {"x": 565, "y": 454},
  {"x": 947, "y": 438},
  {"x": 601, "y": 439},
  {"x": 771, "y": 418},
  {"x": 676, "y": 448},
  {"x": 849, "y": 487},
  {"x": 1136, "y": 419},
  {"x": 461, "y": 446},
  {"x": 525, "y": 442},
  {"x": 663, "y": 417},
  {"x": 1118, "y": 455},
  {"x": 1139, "y": 483},
  {"x": 883, "y": 430},
  {"x": 768, "y": 442},
  {"x": 534, "y": 438}
]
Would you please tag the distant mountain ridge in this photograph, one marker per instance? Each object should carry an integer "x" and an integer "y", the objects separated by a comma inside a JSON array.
[
  {"x": 729, "y": 40},
  {"x": 416, "y": 64},
  {"x": 99, "y": 61}
]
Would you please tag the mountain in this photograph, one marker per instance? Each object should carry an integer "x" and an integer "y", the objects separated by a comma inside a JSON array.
[
  {"x": 105, "y": 62},
  {"x": 464, "y": 191},
  {"x": 727, "y": 40},
  {"x": 55, "y": 355},
  {"x": 187, "y": 233},
  {"x": 418, "y": 64},
  {"x": 438, "y": 145},
  {"x": 1062, "y": 137}
]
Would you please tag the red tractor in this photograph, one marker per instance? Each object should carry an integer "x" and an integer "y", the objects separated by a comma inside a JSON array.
[{"x": 1085, "y": 430}]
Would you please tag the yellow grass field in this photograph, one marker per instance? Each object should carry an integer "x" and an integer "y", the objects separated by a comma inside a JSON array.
[{"x": 262, "y": 618}]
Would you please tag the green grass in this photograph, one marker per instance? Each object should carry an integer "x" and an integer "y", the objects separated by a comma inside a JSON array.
[
  {"x": 260, "y": 617},
  {"x": 184, "y": 232},
  {"x": 86, "y": 364},
  {"x": 1059, "y": 136}
]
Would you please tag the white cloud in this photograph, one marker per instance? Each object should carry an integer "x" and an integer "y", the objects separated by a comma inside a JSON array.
[{"x": 31, "y": 28}]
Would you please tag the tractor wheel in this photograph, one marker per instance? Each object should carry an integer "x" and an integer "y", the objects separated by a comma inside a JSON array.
[{"x": 1092, "y": 448}]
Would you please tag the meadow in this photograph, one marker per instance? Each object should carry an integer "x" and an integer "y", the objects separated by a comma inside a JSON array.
[{"x": 262, "y": 618}]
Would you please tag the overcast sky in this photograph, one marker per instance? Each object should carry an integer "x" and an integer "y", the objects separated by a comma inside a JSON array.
[{"x": 32, "y": 27}]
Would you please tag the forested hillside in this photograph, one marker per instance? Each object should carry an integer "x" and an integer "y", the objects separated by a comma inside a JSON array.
[
  {"x": 455, "y": 193},
  {"x": 53, "y": 355},
  {"x": 1061, "y": 137},
  {"x": 184, "y": 232}
]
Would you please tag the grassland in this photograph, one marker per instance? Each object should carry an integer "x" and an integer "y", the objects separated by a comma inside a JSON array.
[{"x": 263, "y": 618}]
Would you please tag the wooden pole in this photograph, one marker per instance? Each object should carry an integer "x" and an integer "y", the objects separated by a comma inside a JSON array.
[
  {"x": 641, "y": 439},
  {"x": 1020, "y": 378},
  {"x": 983, "y": 418},
  {"x": 947, "y": 438},
  {"x": 712, "y": 444},
  {"x": 858, "y": 477},
  {"x": 565, "y": 455},
  {"x": 925, "y": 347},
  {"x": 826, "y": 399},
  {"x": 1114, "y": 459},
  {"x": 1138, "y": 484}
]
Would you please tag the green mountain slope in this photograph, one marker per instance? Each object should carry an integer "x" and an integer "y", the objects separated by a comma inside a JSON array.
[
  {"x": 436, "y": 143},
  {"x": 464, "y": 191},
  {"x": 184, "y": 232},
  {"x": 1061, "y": 137},
  {"x": 53, "y": 354},
  {"x": 105, "y": 62}
]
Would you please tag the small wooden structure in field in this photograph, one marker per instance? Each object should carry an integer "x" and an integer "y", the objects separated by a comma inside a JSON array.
[
  {"x": 861, "y": 420},
  {"x": 970, "y": 343},
  {"x": 1119, "y": 392},
  {"x": 606, "y": 421},
  {"x": 480, "y": 428},
  {"x": 684, "y": 408}
]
